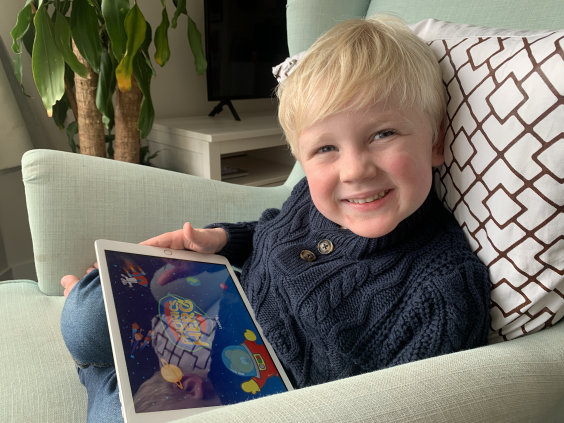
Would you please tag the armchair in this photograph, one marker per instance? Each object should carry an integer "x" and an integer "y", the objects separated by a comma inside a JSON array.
[{"x": 73, "y": 200}]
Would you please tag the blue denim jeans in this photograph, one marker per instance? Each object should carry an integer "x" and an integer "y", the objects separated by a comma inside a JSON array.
[{"x": 85, "y": 331}]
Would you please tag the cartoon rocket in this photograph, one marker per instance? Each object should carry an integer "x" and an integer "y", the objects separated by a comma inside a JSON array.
[{"x": 137, "y": 337}]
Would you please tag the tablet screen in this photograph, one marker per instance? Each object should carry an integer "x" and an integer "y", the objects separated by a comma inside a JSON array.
[{"x": 188, "y": 338}]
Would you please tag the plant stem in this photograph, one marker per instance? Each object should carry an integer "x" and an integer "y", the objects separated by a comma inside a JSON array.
[
  {"x": 90, "y": 126},
  {"x": 128, "y": 107}
]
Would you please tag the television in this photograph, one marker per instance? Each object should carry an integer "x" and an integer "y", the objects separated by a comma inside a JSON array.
[{"x": 244, "y": 40}]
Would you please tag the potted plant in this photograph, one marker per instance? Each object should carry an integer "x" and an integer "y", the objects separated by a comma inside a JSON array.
[{"x": 85, "y": 51}]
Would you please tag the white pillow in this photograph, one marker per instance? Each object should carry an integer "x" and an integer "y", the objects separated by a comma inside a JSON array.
[{"x": 504, "y": 163}]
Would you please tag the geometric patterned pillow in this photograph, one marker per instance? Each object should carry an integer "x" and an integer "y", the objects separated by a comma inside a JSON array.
[{"x": 504, "y": 169}]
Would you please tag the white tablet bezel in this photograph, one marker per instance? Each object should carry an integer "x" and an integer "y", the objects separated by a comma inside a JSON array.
[{"x": 126, "y": 396}]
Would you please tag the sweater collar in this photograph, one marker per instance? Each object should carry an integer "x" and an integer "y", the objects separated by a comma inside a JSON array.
[{"x": 357, "y": 247}]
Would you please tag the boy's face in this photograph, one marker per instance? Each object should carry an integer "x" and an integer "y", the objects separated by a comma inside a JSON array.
[{"x": 369, "y": 170}]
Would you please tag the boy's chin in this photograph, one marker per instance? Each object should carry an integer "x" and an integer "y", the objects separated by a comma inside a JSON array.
[
  {"x": 368, "y": 229},
  {"x": 371, "y": 233}
]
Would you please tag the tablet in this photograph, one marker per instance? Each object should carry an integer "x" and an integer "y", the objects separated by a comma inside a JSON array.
[{"x": 184, "y": 336}]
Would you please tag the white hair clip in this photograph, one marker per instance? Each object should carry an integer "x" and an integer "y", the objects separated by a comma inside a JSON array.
[{"x": 284, "y": 69}]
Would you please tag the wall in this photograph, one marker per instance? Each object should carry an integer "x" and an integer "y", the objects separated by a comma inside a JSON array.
[{"x": 177, "y": 91}]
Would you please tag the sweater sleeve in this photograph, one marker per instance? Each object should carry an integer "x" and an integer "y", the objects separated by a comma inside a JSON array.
[
  {"x": 239, "y": 241},
  {"x": 448, "y": 314}
]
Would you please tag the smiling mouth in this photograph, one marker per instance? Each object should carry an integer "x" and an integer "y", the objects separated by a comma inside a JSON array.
[{"x": 369, "y": 199}]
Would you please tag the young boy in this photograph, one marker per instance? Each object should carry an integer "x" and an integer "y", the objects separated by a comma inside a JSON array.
[{"x": 362, "y": 268}]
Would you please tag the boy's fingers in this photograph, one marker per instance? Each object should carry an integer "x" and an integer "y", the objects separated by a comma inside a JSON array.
[
  {"x": 158, "y": 241},
  {"x": 168, "y": 240},
  {"x": 91, "y": 268},
  {"x": 148, "y": 242}
]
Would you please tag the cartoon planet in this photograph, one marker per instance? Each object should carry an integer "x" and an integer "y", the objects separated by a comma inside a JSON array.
[
  {"x": 239, "y": 360},
  {"x": 171, "y": 373}
]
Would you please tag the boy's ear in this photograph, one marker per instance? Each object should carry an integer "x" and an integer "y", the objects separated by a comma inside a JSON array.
[{"x": 438, "y": 157}]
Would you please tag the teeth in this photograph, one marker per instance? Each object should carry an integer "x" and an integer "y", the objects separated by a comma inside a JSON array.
[{"x": 369, "y": 199}]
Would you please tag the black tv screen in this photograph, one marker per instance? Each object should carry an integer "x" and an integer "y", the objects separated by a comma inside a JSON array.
[{"x": 244, "y": 40}]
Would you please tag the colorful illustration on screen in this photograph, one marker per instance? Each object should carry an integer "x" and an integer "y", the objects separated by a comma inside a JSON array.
[
  {"x": 250, "y": 359},
  {"x": 136, "y": 337},
  {"x": 134, "y": 274},
  {"x": 184, "y": 323},
  {"x": 193, "y": 281},
  {"x": 171, "y": 373}
]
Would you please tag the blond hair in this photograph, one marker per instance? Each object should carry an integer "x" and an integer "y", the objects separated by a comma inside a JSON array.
[{"x": 356, "y": 64}]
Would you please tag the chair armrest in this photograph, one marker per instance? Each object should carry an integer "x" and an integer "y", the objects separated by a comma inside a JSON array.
[
  {"x": 73, "y": 200},
  {"x": 517, "y": 381}
]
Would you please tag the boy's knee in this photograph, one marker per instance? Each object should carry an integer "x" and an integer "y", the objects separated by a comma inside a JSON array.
[{"x": 84, "y": 325}]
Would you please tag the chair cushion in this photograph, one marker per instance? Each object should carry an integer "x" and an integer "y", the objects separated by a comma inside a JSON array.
[{"x": 39, "y": 379}]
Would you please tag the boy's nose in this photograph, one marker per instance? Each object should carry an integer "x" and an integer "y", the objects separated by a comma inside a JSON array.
[{"x": 357, "y": 167}]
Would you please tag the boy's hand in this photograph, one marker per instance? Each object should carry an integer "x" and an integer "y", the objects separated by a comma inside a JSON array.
[{"x": 207, "y": 241}]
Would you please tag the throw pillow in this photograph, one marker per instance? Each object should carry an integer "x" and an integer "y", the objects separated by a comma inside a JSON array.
[{"x": 503, "y": 174}]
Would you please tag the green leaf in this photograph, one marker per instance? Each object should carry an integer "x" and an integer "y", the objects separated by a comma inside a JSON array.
[
  {"x": 62, "y": 6},
  {"x": 47, "y": 62},
  {"x": 29, "y": 38},
  {"x": 145, "y": 47},
  {"x": 180, "y": 7},
  {"x": 148, "y": 38},
  {"x": 162, "y": 53},
  {"x": 86, "y": 32},
  {"x": 65, "y": 6},
  {"x": 60, "y": 110},
  {"x": 114, "y": 12},
  {"x": 152, "y": 156},
  {"x": 195, "y": 41},
  {"x": 18, "y": 71},
  {"x": 22, "y": 25},
  {"x": 72, "y": 130},
  {"x": 106, "y": 88},
  {"x": 135, "y": 28},
  {"x": 144, "y": 75},
  {"x": 62, "y": 38},
  {"x": 97, "y": 5}
]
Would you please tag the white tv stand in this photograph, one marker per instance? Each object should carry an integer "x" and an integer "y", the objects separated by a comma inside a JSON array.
[{"x": 201, "y": 145}]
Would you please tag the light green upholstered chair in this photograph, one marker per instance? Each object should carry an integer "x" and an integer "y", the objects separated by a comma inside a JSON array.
[{"x": 73, "y": 200}]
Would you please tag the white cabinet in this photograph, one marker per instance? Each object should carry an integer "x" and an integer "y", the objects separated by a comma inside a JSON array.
[{"x": 202, "y": 145}]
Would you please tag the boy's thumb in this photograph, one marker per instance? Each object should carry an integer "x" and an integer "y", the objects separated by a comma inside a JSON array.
[{"x": 189, "y": 233}]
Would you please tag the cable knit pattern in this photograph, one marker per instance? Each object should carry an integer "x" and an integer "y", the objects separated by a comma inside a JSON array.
[{"x": 372, "y": 303}]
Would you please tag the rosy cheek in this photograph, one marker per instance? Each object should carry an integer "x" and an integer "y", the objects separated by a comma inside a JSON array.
[{"x": 402, "y": 165}]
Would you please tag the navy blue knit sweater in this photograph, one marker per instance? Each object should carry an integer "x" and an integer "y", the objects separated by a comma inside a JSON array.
[{"x": 372, "y": 303}]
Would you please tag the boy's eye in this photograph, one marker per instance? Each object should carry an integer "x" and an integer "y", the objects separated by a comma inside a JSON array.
[
  {"x": 326, "y": 149},
  {"x": 384, "y": 134}
]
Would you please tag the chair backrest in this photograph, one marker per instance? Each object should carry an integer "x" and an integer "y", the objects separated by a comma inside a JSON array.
[{"x": 308, "y": 19}]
